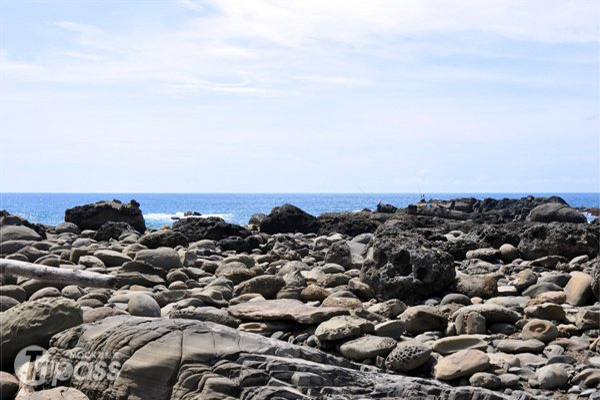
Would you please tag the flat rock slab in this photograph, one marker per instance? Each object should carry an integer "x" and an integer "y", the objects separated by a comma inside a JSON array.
[
  {"x": 284, "y": 309},
  {"x": 174, "y": 359}
]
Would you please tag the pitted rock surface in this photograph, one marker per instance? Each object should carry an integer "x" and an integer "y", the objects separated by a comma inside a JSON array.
[
  {"x": 399, "y": 266},
  {"x": 408, "y": 356}
]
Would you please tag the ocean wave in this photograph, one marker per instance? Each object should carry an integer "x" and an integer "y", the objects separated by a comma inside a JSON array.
[{"x": 181, "y": 215}]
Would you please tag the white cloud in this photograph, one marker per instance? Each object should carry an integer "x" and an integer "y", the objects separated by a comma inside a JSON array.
[
  {"x": 78, "y": 27},
  {"x": 271, "y": 47},
  {"x": 191, "y": 4}
]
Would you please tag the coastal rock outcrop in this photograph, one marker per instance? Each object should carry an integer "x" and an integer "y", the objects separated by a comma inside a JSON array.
[
  {"x": 181, "y": 359},
  {"x": 288, "y": 218},
  {"x": 213, "y": 228},
  {"x": 565, "y": 239},
  {"x": 93, "y": 216},
  {"x": 399, "y": 266}
]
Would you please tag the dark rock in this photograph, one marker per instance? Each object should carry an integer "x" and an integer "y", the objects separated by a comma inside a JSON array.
[
  {"x": 9, "y": 386},
  {"x": 113, "y": 230},
  {"x": 240, "y": 244},
  {"x": 348, "y": 223},
  {"x": 596, "y": 280},
  {"x": 564, "y": 239},
  {"x": 213, "y": 228},
  {"x": 93, "y": 216},
  {"x": 163, "y": 238},
  {"x": 256, "y": 219},
  {"x": 398, "y": 266},
  {"x": 386, "y": 208},
  {"x": 7, "y": 303},
  {"x": 289, "y": 218}
]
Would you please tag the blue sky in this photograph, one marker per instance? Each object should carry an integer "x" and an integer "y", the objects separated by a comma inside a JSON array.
[{"x": 300, "y": 96}]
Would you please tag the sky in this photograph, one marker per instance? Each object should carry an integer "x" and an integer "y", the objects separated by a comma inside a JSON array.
[{"x": 300, "y": 96}]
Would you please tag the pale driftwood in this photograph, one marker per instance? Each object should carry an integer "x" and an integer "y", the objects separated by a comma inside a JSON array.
[{"x": 56, "y": 275}]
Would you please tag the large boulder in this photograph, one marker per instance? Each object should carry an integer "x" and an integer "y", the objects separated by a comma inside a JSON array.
[
  {"x": 34, "y": 323},
  {"x": 160, "y": 358},
  {"x": 163, "y": 258},
  {"x": 93, "y": 216},
  {"x": 17, "y": 232},
  {"x": 556, "y": 212},
  {"x": 400, "y": 267},
  {"x": 7, "y": 218},
  {"x": 289, "y": 218},
  {"x": 563, "y": 239},
  {"x": 213, "y": 228}
]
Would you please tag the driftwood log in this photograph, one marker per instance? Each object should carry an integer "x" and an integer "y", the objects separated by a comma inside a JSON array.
[{"x": 56, "y": 275}]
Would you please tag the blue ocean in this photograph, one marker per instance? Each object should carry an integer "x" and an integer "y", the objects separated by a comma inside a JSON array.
[{"x": 158, "y": 209}]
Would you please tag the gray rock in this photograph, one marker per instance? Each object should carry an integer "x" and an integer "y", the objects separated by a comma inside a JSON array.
[
  {"x": 7, "y": 303},
  {"x": 555, "y": 212},
  {"x": 266, "y": 285},
  {"x": 67, "y": 227},
  {"x": 463, "y": 363},
  {"x": 163, "y": 257},
  {"x": 14, "y": 291},
  {"x": 112, "y": 258},
  {"x": 156, "y": 356},
  {"x": 343, "y": 327},
  {"x": 163, "y": 238},
  {"x": 552, "y": 376},
  {"x": 485, "y": 380},
  {"x": 453, "y": 344},
  {"x": 544, "y": 331},
  {"x": 17, "y": 232},
  {"x": 484, "y": 286},
  {"x": 541, "y": 287},
  {"x": 456, "y": 298},
  {"x": 579, "y": 289},
  {"x": 419, "y": 319},
  {"x": 58, "y": 393},
  {"x": 284, "y": 309},
  {"x": 508, "y": 252},
  {"x": 521, "y": 346},
  {"x": 392, "y": 328},
  {"x": 367, "y": 347},
  {"x": 142, "y": 305},
  {"x": 35, "y": 322}
]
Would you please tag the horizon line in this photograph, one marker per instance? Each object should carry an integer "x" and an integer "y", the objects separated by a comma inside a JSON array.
[{"x": 284, "y": 193}]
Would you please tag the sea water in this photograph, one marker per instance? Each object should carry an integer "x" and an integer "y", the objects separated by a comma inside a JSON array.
[{"x": 159, "y": 209}]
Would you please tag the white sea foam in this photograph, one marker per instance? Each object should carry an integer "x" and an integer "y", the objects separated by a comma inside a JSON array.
[{"x": 181, "y": 215}]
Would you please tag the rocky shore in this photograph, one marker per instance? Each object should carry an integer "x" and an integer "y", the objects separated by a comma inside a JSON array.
[{"x": 463, "y": 299}]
